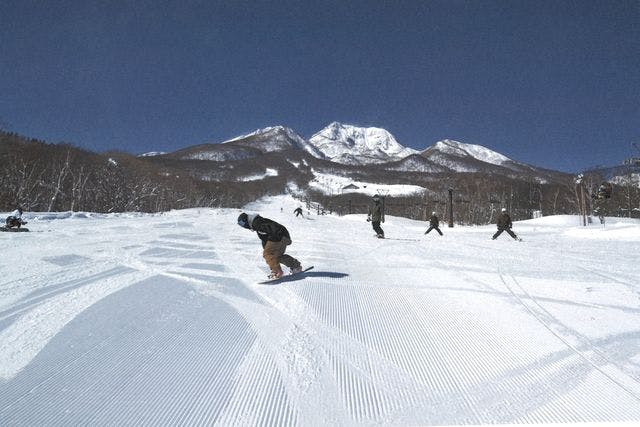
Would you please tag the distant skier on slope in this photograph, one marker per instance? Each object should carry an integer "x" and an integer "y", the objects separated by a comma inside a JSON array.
[
  {"x": 504, "y": 224},
  {"x": 15, "y": 219},
  {"x": 434, "y": 223},
  {"x": 275, "y": 239},
  {"x": 298, "y": 212},
  {"x": 376, "y": 216}
]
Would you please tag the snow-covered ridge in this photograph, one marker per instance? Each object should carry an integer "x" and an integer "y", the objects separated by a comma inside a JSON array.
[
  {"x": 461, "y": 149},
  {"x": 267, "y": 173},
  {"x": 349, "y": 144},
  {"x": 417, "y": 163},
  {"x": 632, "y": 179},
  {"x": 353, "y": 145},
  {"x": 219, "y": 156},
  {"x": 275, "y": 138},
  {"x": 152, "y": 154},
  {"x": 273, "y": 131}
]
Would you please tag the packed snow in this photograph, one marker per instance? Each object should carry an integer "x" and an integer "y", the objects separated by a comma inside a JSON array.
[{"x": 158, "y": 320}]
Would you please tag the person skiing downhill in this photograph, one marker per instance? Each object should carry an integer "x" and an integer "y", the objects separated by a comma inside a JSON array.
[
  {"x": 434, "y": 223},
  {"x": 275, "y": 239},
  {"x": 504, "y": 224},
  {"x": 376, "y": 216},
  {"x": 15, "y": 219},
  {"x": 298, "y": 211}
]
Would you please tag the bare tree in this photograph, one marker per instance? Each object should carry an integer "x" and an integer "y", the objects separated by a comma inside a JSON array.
[{"x": 60, "y": 172}]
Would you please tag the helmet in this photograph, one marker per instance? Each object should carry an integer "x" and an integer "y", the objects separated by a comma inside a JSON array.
[
  {"x": 504, "y": 209},
  {"x": 376, "y": 197},
  {"x": 433, "y": 213},
  {"x": 243, "y": 221}
]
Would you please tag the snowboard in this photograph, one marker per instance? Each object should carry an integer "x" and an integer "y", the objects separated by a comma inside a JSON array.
[
  {"x": 14, "y": 230},
  {"x": 395, "y": 238},
  {"x": 402, "y": 239},
  {"x": 285, "y": 278}
]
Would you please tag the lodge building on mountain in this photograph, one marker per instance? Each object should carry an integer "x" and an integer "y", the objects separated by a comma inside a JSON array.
[{"x": 350, "y": 187}]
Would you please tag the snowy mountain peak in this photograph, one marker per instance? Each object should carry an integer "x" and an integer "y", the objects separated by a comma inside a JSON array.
[
  {"x": 277, "y": 132},
  {"x": 350, "y": 144},
  {"x": 274, "y": 138},
  {"x": 460, "y": 149}
]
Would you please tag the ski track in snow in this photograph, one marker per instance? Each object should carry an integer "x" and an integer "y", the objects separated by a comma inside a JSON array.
[{"x": 160, "y": 320}]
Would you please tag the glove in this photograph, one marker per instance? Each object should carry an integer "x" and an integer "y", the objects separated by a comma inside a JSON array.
[{"x": 368, "y": 219}]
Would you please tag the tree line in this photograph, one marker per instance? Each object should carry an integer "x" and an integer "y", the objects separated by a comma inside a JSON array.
[
  {"x": 478, "y": 198},
  {"x": 60, "y": 177}
]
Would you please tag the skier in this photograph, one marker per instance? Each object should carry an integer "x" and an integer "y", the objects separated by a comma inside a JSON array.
[
  {"x": 376, "y": 216},
  {"x": 15, "y": 219},
  {"x": 434, "y": 222},
  {"x": 504, "y": 224},
  {"x": 275, "y": 239},
  {"x": 298, "y": 212}
]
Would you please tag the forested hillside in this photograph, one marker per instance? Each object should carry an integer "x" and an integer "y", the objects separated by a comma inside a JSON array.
[{"x": 59, "y": 177}]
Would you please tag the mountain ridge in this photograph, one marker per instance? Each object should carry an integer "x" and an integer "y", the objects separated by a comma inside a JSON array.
[
  {"x": 355, "y": 146},
  {"x": 251, "y": 166}
]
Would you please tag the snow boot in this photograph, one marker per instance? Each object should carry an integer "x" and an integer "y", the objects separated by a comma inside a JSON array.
[{"x": 275, "y": 275}]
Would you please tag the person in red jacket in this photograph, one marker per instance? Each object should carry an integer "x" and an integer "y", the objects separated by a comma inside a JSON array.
[{"x": 275, "y": 239}]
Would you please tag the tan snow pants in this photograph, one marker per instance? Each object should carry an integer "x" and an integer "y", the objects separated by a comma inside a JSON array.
[{"x": 274, "y": 254}]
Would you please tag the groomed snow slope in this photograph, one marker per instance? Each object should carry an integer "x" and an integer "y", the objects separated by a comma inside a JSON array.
[{"x": 158, "y": 320}]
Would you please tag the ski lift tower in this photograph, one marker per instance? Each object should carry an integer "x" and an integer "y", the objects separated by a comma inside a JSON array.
[
  {"x": 450, "y": 207},
  {"x": 581, "y": 201}
]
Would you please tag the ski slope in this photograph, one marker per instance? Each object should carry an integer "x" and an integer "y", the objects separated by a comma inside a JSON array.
[{"x": 158, "y": 320}]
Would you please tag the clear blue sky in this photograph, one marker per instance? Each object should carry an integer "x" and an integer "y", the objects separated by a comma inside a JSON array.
[{"x": 551, "y": 83}]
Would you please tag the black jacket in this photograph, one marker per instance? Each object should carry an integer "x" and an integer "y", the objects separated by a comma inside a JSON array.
[
  {"x": 375, "y": 212},
  {"x": 504, "y": 221},
  {"x": 269, "y": 230},
  {"x": 434, "y": 221}
]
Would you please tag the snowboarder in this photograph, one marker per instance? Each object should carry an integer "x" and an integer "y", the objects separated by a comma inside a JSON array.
[
  {"x": 376, "y": 216},
  {"x": 298, "y": 212},
  {"x": 434, "y": 223},
  {"x": 15, "y": 219},
  {"x": 275, "y": 239},
  {"x": 504, "y": 224}
]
